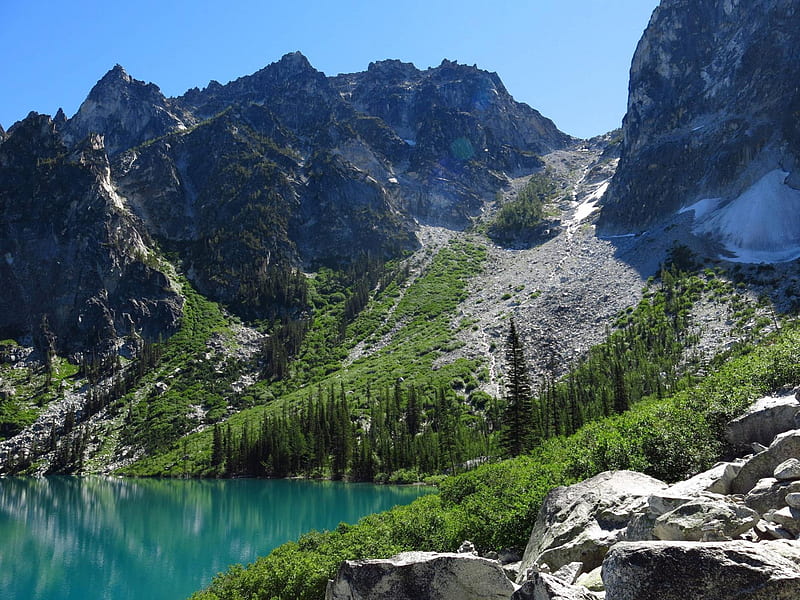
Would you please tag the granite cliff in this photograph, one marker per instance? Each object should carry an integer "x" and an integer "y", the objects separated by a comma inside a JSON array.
[{"x": 712, "y": 127}]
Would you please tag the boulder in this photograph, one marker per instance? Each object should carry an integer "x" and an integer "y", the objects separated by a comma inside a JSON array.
[
  {"x": 663, "y": 502},
  {"x": 509, "y": 555},
  {"x": 793, "y": 499},
  {"x": 467, "y": 547},
  {"x": 569, "y": 573},
  {"x": 784, "y": 447},
  {"x": 512, "y": 570},
  {"x": 580, "y": 522},
  {"x": 705, "y": 518},
  {"x": 790, "y": 550},
  {"x": 769, "y": 493},
  {"x": 549, "y": 587},
  {"x": 766, "y": 418},
  {"x": 765, "y": 530},
  {"x": 788, "y": 518},
  {"x": 414, "y": 575},
  {"x": 788, "y": 470},
  {"x": 640, "y": 527},
  {"x": 716, "y": 480},
  {"x": 593, "y": 580},
  {"x": 699, "y": 571}
]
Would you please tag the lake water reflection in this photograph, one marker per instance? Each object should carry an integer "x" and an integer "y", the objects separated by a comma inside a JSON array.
[{"x": 70, "y": 538}]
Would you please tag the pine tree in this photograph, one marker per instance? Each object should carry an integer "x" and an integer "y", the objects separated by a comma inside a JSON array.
[
  {"x": 517, "y": 414},
  {"x": 217, "y": 450}
]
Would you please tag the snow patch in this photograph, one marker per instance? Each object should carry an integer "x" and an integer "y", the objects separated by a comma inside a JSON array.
[
  {"x": 761, "y": 225},
  {"x": 702, "y": 207},
  {"x": 583, "y": 211},
  {"x": 588, "y": 205},
  {"x": 600, "y": 191},
  {"x": 410, "y": 142}
]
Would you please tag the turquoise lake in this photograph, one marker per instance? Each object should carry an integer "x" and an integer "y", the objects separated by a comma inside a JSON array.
[{"x": 72, "y": 538}]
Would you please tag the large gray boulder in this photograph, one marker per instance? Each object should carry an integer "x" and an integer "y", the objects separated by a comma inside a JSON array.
[
  {"x": 787, "y": 518},
  {"x": 788, "y": 470},
  {"x": 705, "y": 519},
  {"x": 766, "y": 418},
  {"x": 699, "y": 571},
  {"x": 784, "y": 447},
  {"x": 716, "y": 480},
  {"x": 415, "y": 575},
  {"x": 580, "y": 522},
  {"x": 549, "y": 587},
  {"x": 769, "y": 493}
]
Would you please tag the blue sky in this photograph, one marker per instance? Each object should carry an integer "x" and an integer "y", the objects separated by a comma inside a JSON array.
[{"x": 569, "y": 59}]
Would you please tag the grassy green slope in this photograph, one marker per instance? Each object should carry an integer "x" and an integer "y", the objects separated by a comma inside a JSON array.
[
  {"x": 495, "y": 505},
  {"x": 402, "y": 330}
]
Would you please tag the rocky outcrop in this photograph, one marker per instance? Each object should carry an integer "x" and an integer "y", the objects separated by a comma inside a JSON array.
[
  {"x": 550, "y": 587},
  {"x": 126, "y": 112},
  {"x": 704, "y": 519},
  {"x": 622, "y": 535},
  {"x": 698, "y": 538},
  {"x": 711, "y": 571},
  {"x": 765, "y": 419},
  {"x": 415, "y": 575},
  {"x": 581, "y": 522},
  {"x": 75, "y": 266},
  {"x": 711, "y": 96},
  {"x": 770, "y": 493},
  {"x": 785, "y": 446}
]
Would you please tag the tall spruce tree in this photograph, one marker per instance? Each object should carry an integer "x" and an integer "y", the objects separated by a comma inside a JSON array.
[{"x": 517, "y": 415}]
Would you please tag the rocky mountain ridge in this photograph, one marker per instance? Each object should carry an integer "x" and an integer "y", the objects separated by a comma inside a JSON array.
[
  {"x": 76, "y": 265},
  {"x": 300, "y": 172}
]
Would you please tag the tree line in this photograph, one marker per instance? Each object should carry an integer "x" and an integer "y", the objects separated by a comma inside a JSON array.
[
  {"x": 407, "y": 431},
  {"x": 644, "y": 356}
]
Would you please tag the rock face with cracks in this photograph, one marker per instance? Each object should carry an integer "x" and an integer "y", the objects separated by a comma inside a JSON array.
[
  {"x": 415, "y": 575},
  {"x": 712, "y": 571},
  {"x": 710, "y": 97},
  {"x": 580, "y": 522}
]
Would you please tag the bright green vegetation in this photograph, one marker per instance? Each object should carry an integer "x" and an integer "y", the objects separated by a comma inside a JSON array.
[
  {"x": 160, "y": 410},
  {"x": 517, "y": 218},
  {"x": 425, "y": 418},
  {"x": 495, "y": 505},
  {"x": 25, "y": 391}
]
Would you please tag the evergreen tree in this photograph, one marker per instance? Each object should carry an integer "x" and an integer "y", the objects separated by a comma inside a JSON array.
[
  {"x": 517, "y": 415},
  {"x": 217, "y": 450}
]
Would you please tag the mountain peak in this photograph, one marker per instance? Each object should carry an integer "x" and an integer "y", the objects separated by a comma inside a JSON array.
[
  {"x": 60, "y": 117},
  {"x": 293, "y": 63},
  {"x": 125, "y": 110},
  {"x": 116, "y": 74},
  {"x": 295, "y": 58}
]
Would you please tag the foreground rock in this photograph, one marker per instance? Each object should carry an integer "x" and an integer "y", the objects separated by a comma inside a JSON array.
[
  {"x": 415, "y": 575},
  {"x": 762, "y": 465},
  {"x": 709, "y": 571},
  {"x": 581, "y": 522},
  {"x": 766, "y": 418},
  {"x": 705, "y": 519},
  {"x": 549, "y": 587}
]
